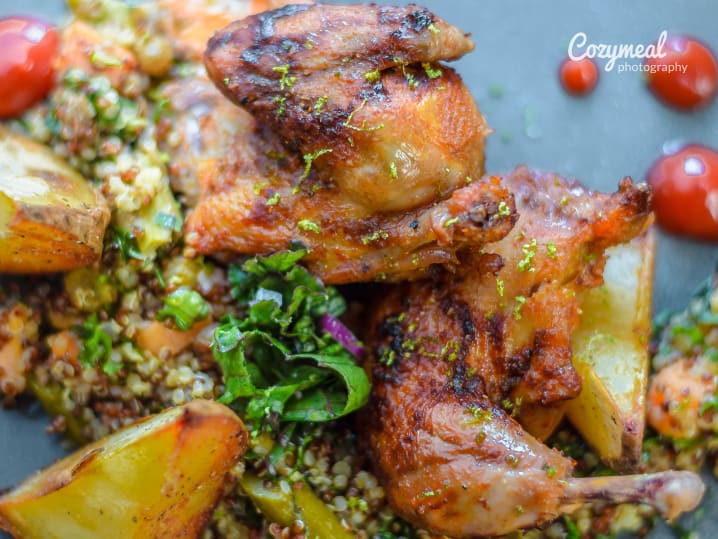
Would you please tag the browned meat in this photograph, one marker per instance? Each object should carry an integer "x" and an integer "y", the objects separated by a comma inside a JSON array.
[
  {"x": 199, "y": 131},
  {"x": 391, "y": 143},
  {"x": 349, "y": 79},
  {"x": 454, "y": 355}
]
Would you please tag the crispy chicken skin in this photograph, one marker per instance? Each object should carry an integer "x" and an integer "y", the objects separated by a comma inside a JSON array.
[
  {"x": 365, "y": 157},
  {"x": 198, "y": 131},
  {"x": 349, "y": 79},
  {"x": 452, "y": 354}
]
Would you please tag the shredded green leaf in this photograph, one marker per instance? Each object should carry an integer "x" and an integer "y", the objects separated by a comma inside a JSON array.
[{"x": 276, "y": 361}]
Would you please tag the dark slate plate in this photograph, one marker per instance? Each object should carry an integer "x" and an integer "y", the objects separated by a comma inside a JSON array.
[{"x": 617, "y": 131}]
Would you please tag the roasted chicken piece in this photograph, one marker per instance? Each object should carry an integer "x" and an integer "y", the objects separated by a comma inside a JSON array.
[
  {"x": 453, "y": 358},
  {"x": 391, "y": 144},
  {"x": 199, "y": 131}
]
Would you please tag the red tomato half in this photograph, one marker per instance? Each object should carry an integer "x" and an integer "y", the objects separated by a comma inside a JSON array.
[
  {"x": 578, "y": 77},
  {"x": 27, "y": 50},
  {"x": 685, "y": 192},
  {"x": 696, "y": 87}
]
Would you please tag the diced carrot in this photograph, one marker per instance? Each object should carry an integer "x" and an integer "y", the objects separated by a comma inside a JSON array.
[{"x": 154, "y": 337}]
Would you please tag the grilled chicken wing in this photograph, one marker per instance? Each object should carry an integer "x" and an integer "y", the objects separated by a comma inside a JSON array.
[
  {"x": 454, "y": 354},
  {"x": 390, "y": 142}
]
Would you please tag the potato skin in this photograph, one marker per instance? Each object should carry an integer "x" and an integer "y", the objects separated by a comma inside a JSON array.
[
  {"x": 160, "y": 477},
  {"x": 51, "y": 218},
  {"x": 611, "y": 355}
]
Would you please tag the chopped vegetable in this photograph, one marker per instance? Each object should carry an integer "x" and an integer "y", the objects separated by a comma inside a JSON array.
[
  {"x": 298, "y": 502},
  {"x": 97, "y": 347},
  {"x": 343, "y": 335},
  {"x": 276, "y": 364},
  {"x": 51, "y": 398},
  {"x": 185, "y": 307}
]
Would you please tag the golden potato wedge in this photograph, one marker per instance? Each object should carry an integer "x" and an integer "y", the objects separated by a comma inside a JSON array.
[
  {"x": 51, "y": 218},
  {"x": 160, "y": 477},
  {"x": 610, "y": 351},
  {"x": 541, "y": 421}
]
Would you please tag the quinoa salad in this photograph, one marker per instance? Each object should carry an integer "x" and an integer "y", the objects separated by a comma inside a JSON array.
[{"x": 154, "y": 324}]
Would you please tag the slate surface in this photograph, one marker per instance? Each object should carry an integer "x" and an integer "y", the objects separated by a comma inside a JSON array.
[{"x": 618, "y": 130}]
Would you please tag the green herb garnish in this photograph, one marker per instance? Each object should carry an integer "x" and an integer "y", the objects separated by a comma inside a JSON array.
[
  {"x": 96, "y": 348},
  {"x": 276, "y": 363},
  {"x": 185, "y": 306}
]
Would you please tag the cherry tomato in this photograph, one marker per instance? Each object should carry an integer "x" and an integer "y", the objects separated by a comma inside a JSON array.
[
  {"x": 28, "y": 47},
  {"x": 578, "y": 77},
  {"x": 685, "y": 191},
  {"x": 696, "y": 87}
]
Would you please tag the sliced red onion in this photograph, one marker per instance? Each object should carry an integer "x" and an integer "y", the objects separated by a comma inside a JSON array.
[{"x": 343, "y": 335}]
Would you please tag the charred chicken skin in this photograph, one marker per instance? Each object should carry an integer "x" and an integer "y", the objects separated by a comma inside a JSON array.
[
  {"x": 454, "y": 356},
  {"x": 370, "y": 148}
]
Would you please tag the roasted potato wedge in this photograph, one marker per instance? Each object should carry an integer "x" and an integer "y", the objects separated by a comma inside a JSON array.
[
  {"x": 51, "y": 218},
  {"x": 160, "y": 477},
  {"x": 610, "y": 351},
  {"x": 541, "y": 421}
]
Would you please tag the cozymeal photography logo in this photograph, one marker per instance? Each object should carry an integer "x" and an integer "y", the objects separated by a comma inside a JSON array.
[{"x": 623, "y": 56}]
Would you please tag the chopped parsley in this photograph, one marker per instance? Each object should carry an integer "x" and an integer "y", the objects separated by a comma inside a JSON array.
[
  {"x": 185, "y": 306},
  {"x": 125, "y": 243},
  {"x": 96, "y": 348}
]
